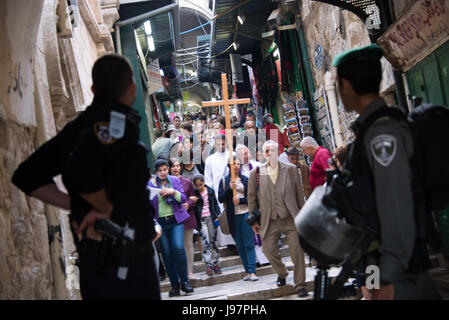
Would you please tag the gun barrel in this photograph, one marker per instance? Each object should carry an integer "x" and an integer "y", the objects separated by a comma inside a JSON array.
[{"x": 108, "y": 228}]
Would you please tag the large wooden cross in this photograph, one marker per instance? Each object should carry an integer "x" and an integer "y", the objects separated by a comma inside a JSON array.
[{"x": 226, "y": 102}]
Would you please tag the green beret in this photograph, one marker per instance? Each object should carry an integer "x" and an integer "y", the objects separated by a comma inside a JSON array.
[{"x": 371, "y": 53}]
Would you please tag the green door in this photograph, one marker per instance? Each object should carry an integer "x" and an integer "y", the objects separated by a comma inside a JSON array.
[
  {"x": 429, "y": 79},
  {"x": 443, "y": 60},
  {"x": 432, "y": 81},
  {"x": 416, "y": 85}
]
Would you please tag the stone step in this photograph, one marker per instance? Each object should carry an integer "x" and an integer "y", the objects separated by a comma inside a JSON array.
[
  {"x": 224, "y": 252},
  {"x": 294, "y": 296},
  {"x": 440, "y": 277},
  {"x": 263, "y": 289},
  {"x": 230, "y": 274},
  {"x": 439, "y": 261},
  {"x": 229, "y": 261}
]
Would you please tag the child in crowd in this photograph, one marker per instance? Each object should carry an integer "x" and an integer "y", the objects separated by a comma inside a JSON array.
[{"x": 207, "y": 211}]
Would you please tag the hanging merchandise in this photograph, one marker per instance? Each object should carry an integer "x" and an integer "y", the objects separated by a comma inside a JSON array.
[
  {"x": 293, "y": 119},
  {"x": 346, "y": 119},
  {"x": 153, "y": 104},
  {"x": 324, "y": 119},
  {"x": 268, "y": 86},
  {"x": 256, "y": 106}
]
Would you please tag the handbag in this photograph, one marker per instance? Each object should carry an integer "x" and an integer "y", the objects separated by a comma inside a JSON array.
[{"x": 223, "y": 218}]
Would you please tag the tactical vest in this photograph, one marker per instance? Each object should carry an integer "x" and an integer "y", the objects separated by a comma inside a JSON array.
[{"x": 362, "y": 195}]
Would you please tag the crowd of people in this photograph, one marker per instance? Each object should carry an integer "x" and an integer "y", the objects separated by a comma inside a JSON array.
[
  {"x": 193, "y": 171},
  {"x": 197, "y": 180}
]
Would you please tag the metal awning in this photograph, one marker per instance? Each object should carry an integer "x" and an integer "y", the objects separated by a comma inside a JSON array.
[
  {"x": 164, "y": 20},
  {"x": 161, "y": 27},
  {"x": 375, "y": 14},
  {"x": 247, "y": 36}
]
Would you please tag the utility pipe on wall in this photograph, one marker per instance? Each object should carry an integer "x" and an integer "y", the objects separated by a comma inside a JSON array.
[{"x": 329, "y": 86}]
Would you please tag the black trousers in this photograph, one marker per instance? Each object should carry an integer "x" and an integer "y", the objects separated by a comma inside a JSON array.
[{"x": 99, "y": 282}]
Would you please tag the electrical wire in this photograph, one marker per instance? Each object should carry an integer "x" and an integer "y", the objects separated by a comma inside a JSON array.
[
  {"x": 192, "y": 48},
  {"x": 201, "y": 26},
  {"x": 204, "y": 30},
  {"x": 230, "y": 46},
  {"x": 187, "y": 54},
  {"x": 185, "y": 88},
  {"x": 186, "y": 63},
  {"x": 189, "y": 79}
]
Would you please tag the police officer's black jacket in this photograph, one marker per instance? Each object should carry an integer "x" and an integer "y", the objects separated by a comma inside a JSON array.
[
  {"x": 380, "y": 190},
  {"x": 47, "y": 161},
  {"x": 118, "y": 165}
]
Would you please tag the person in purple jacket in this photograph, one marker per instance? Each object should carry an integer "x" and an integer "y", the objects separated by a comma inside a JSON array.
[
  {"x": 189, "y": 224},
  {"x": 171, "y": 215}
]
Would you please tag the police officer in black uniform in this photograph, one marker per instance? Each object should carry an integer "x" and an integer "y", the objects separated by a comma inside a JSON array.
[
  {"x": 104, "y": 168},
  {"x": 379, "y": 160}
]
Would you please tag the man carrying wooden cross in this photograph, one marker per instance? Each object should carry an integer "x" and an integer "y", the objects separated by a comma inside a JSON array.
[{"x": 216, "y": 164}]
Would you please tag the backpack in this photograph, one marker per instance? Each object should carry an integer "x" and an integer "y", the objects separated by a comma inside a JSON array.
[{"x": 429, "y": 125}]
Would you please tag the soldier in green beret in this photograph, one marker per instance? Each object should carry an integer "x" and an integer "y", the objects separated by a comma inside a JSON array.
[{"x": 379, "y": 164}]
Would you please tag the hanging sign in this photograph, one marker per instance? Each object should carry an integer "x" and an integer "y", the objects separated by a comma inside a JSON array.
[
  {"x": 154, "y": 77},
  {"x": 422, "y": 29},
  {"x": 319, "y": 57}
]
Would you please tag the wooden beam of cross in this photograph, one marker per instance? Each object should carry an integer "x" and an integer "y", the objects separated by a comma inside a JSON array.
[{"x": 226, "y": 102}]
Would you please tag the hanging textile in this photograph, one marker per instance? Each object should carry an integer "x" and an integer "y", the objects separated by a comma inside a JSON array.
[
  {"x": 257, "y": 108},
  {"x": 244, "y": 88},
  {"x": 285, "y": 50}
]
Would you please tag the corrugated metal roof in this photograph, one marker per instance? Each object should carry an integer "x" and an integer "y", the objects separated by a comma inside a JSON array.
[
  {"x": 256, "y": 13},
  {"x": 162, "y": 35}
]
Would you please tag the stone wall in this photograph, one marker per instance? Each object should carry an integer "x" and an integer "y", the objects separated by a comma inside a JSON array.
[
  {"x": 400, "y": 6},
  {"x": 45, "y": 83},
  {"x": 336, "y": 30},
  {"x": 25, "y": 270}
]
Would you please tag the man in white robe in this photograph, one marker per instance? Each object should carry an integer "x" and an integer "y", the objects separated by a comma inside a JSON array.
[{"x": 216, "y": 167}]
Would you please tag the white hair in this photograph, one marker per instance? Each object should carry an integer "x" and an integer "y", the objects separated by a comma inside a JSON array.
[
  {"x": 270, "y": 143},
  {"x": 309, "y": 141}
]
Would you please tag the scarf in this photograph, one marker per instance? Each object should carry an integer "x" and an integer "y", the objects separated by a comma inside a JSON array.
[{"x": 168, "y": 199}]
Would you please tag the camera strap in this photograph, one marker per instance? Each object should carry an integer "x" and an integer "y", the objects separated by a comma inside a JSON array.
[{"x": 257, "y": 178}]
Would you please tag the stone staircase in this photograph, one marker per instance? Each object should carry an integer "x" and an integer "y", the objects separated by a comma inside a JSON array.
[{"x": 230, "y": 286}]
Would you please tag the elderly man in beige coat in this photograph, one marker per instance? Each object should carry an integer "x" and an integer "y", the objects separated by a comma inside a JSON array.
[{"x": 277, "y": 192}]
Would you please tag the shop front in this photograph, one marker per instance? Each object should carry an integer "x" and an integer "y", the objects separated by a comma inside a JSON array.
[{"x": 417, "y": 44}]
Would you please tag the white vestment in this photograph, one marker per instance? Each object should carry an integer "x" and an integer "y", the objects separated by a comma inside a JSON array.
[
  {"x": 245, "y": 168},
  {"x": 216, "y": 167}
]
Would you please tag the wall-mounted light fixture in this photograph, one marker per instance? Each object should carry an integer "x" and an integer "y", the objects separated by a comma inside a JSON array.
[
  {"x": 147, "y": 26},
  {"x": 148, "y": 31}
]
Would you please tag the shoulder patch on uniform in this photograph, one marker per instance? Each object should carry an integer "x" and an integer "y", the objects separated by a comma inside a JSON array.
[
  {"x": 383, "y": 148},
  {"x": 101, "y": 130},
  {"x": 117, "y": 124}
]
